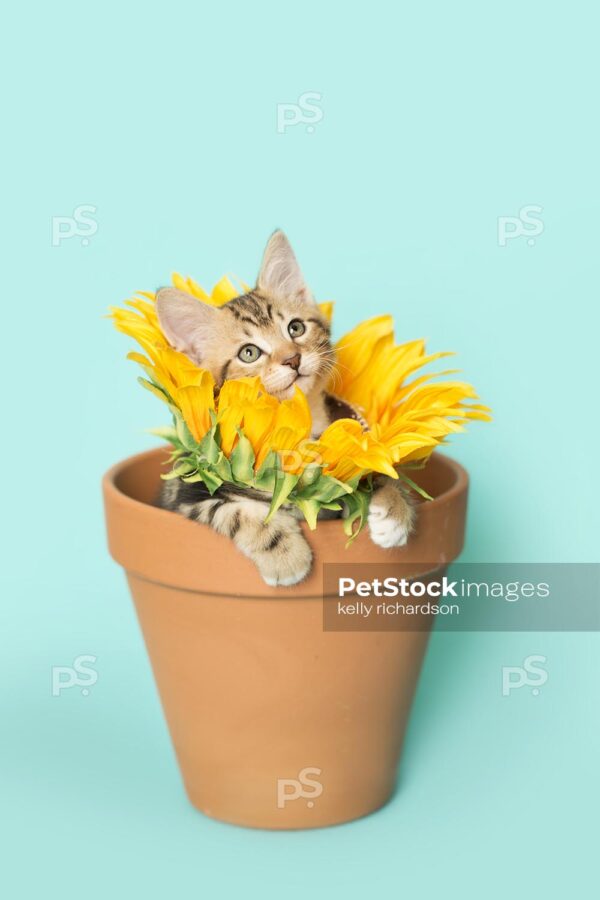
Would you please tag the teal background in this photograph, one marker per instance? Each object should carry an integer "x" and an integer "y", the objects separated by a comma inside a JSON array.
[{"x": 437, "y": 119}]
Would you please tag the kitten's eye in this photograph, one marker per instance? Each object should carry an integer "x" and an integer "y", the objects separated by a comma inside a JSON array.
[
  {"x": 296, "y": 328},
  {"x": 249, "y": 353}
]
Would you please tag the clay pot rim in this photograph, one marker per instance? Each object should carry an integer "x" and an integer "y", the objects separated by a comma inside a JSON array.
[
  {"x": 162, "y": 547},
  {"x": 109, "y": 484}
]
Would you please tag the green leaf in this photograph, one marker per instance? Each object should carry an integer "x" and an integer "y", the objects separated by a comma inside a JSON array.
[{"x": 242, "y": 460}]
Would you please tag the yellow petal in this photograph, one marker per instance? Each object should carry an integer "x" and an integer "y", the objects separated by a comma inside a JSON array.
[
  {"x": 327, "y": 309},
  {"x": 195, "y": 403},
  {"x": 223, "y": 291}
]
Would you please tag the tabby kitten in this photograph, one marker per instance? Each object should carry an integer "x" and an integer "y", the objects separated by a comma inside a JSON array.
[{"x": 275, "y": 331}]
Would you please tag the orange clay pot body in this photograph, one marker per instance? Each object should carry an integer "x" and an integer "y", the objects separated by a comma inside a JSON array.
[{"x": 276, "y": 723}]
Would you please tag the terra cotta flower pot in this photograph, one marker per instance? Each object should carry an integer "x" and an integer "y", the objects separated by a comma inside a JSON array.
[{"x": 276, "y": 723}]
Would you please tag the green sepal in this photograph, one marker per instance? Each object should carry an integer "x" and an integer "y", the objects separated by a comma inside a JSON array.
[
  {"x": 184, "y": 467},
  {"x": 208, "y": 449},
  {"x": 194, "y": 478},
  {"x": 285, "y": 483},
  {"x": 357, "y": 510},
  {"x": 242, "y": 460},
  {"x": 222, "y": 467},
  {"x": 264, "y": 480},
  {"x": 158, "y": 392},
  {"x": 412, "y": 484},
  {"x": 308, "y": 478},
  {"x": 167, "y": 433},
  {"x": 310, "y": 510},
  {"x": 184, "y": 435},
  {"x": 149, "y": 370},
  {"x": 212, "y": 481},
  {"x": 353, "y": 483},
  {"x": 325, "y": 489}
]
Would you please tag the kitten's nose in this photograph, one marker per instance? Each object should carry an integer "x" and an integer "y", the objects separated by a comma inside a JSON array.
[{"x": 292, "y": 361}]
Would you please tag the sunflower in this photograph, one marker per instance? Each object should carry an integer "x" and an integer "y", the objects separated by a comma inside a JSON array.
[
  {"x": 407, "y": 417},
  {"x": 242, "y": 435}
]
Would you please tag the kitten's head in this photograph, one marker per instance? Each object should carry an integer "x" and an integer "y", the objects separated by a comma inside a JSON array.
[{"x": 275, "y": 331}]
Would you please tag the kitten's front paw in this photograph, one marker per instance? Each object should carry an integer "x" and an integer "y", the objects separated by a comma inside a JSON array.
[
  {"x": 287, "y": 562},
  {"x": 390, "y": 518}
]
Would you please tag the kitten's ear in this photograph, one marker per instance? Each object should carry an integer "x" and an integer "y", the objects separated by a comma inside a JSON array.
[
  {"x": 280, "y": 275},
  {"x": 186, "y": 323}
]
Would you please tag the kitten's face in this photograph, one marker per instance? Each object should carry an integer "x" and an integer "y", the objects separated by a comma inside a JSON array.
[
  {"x": 275, "y": 331},
  {"x": 284, "y": 341}
]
